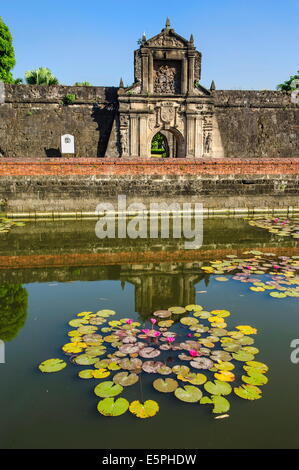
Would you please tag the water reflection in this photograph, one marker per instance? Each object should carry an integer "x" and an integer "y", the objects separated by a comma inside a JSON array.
[{"x": 13, "y": 310}]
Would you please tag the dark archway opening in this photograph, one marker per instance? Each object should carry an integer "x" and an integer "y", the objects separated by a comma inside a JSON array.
[{"x": 159, "y": 146}]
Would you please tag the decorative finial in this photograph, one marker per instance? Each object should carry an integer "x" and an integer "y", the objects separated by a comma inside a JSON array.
[
  {"x": 191, "y": 40},
  {"x": 121, "y": 83},
  {"x": 213, "y": 86},
  {"x": 167, "y": 23}
]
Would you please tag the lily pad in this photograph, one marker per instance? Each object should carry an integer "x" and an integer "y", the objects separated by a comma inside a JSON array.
[
  {"x": 111, "y": 407},
  {"x": 189, "y": 394},
  {"x": 243, "y": 356},
  {"x": 152, "y": 367},
  {"x": 149, "y": 353},
  {"x": 221, "y": 404},
  {"x": 130, "y": 364},
  {"x": 259, "y": 366},
  {"x": 148, "y": 409},
  {"x": 248, "y": 392},
  {"x": 189, "y": 321},
  {"x": 129, "y": 349},
  {"x": 202, "y": 363},
  {"x": 52, "y": 365},
  {"x": 125, "y": 379},
  {"x": 162, "y": 313},
  {"x": 85, "y": 360},
  {"x": 108, "y": 389},
  {"x": 255, "y": 379},
  {"x": 218, "y": 388},
  {"x": 177, "y": 310},
  {"x": 165, "y": 385}
]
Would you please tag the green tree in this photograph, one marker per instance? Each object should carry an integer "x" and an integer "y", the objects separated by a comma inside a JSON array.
[
  {"x": 7, "y": 54},
  {"x": 13, "y": 310},
  {"x": 288, "y": 85},
  {"x": 41, "y": 76}
]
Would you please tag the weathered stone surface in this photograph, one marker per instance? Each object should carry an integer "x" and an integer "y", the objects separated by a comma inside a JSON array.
[{"x": 33, "y": 118}]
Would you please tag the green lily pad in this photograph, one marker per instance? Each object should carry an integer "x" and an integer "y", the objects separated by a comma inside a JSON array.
[
  {"x": 86, "y": 374},
  {"x": 221, "y": 404},
  {"x": 177, "y": 310},
  {"x": 85, "y": 360},
  {"x": 189, "y": 394},
  {"x": 108, "y": 389},
  {"x": 243, "y": 356},
  {"x": 255, "y": 379},
  {"x": 52, "y": 365},
  {"x": 248, "y": 392},
  {"x": 165, "y": 385},
  {"x": 189, "y": 321},
  {"x": 218, "y": 388},
  {"x": 258, "y": 366},
  {"x": 105, "y": 313},
  {"x": 109, "y": 407},
  {"x": 194, "y": 308}
]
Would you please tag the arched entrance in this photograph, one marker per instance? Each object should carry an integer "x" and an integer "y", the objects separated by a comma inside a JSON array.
[
  {"x": 159, "y": 146},
  {"x": 167, "y": 143}
]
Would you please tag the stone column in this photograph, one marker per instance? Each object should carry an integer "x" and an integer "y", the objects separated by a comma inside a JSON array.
[
  {"x": 198, "y": 140},
  {"x": 184, "y": 76},
  {"x": 143, "y": 144},
  {"x": 134, "y": 136},
  {"x": 191, "y": 73},
  {"x": 190, "y": 135},
  {"x": 150, "y": 73},
  {"x": 144, "y": 56}
]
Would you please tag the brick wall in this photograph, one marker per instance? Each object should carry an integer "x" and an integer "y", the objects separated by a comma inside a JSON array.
[{"x": 180, "y": 167}]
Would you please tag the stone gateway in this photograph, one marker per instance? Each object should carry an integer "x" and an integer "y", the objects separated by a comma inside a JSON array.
[{"x": 167, "y": 98}]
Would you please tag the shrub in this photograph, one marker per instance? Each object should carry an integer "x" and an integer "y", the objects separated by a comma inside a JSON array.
[{"x": 69, "y": 99}]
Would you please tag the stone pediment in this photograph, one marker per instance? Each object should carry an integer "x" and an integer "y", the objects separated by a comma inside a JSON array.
[{"x": 167, "y": 38}]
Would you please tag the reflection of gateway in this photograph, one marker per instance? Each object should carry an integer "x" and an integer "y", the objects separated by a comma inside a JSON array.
[{"x": 162, "y": 286}]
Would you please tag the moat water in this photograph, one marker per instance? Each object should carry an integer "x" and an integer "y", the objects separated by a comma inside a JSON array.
[{"x": 52, "y": 270}]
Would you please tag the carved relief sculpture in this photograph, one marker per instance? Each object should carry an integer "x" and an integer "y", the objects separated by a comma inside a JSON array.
[
  {"x": 207, "y": 144},
  {"x": 167, "y": 77}
]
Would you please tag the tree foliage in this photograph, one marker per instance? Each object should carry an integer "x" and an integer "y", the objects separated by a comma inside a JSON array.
[
  {"x": 289, "y": 85},
  {"x": 7, "y": 54},
  {"x": 41, "y": 76},
  {"x": 13, "y": 310},
  {"x": 82, "y": 84}
]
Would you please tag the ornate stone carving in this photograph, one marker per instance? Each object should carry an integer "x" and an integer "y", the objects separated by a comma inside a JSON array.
[
  {"x": 166, "y": 77},
  {"x": 123, "y": 120},
  {"x": 208, "y": 143},
  {"x": 165, "y": 41},
  {"x": 124, "y": 142},
  {"x": 167, "y": 112}
]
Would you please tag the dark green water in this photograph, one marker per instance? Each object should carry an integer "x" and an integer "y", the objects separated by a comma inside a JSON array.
[{"x": 59, "y": 410}]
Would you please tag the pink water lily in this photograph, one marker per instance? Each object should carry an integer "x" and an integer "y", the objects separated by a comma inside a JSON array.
[
  {"x": 170, "y": 339},
  {"x": 157, "y": 334},
  {"x": 190, "y": 335},
  {"x": 129, "y": 321},
  {"x": 146, "y": 332},
  {"x": 153, "y": 321},
  {"x": 193, "y": 353}
]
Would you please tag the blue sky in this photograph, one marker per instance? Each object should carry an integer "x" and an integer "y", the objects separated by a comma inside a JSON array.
[{"x": 245, "y": 44}]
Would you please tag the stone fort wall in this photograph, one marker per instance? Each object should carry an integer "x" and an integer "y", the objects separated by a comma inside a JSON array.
[{"x": 252, "y": 124}]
